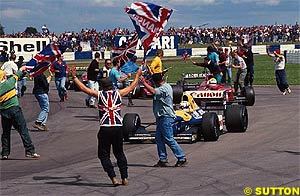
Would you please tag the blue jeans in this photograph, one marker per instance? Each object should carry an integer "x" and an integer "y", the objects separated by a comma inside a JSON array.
[
  {"x": 163, "y": 136},
  {"x": 21, "y": 87},
  {"x": 60, "y": 86},
  {"x": 229, "y": 73},
  {"x": 43, "y": 100},
  {"x": 94, "y": 85}
]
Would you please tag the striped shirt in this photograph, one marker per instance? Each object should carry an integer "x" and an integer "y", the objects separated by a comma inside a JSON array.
[{"x": 8, "y": 93}]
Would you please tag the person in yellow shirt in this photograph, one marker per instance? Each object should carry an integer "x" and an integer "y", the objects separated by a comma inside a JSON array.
[{"x": 156, "y": 64}]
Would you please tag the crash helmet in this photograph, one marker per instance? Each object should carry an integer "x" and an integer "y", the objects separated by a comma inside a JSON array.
[
  {"x": 212, "y": 82},
  {"x": 185, "y": 106}
]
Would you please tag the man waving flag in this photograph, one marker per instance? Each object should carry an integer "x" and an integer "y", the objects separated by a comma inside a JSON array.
[
  {"x": 149, "y": 21},
  {"x": 41, "y": 61}
]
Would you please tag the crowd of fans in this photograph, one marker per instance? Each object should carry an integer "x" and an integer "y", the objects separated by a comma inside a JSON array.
[{"x": 187, "y": 35}]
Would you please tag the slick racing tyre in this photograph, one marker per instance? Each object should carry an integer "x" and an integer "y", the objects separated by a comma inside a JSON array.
[
  {"x": 210, "y": 127},
  {"x": 131, "y": 123},
  {"x": 177, "y": 94},
  {"x": 249, "y": 95},
  {"x": 236, "y": 118}
]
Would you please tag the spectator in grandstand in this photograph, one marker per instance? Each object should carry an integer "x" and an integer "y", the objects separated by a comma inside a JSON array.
[
  {"x": 12, "y": 115},
  {"x": 248, "y": 58},
  {"x": 60, "y": 69},
  {"x": 115, "y": 75},
  {"x": 126, "y": 70},
  {"x": 22, "y": 82},
  {"x": 250, "y": 35},
  {"x": 40, "y": 91},
  {"x": 212, "y": 67},
  {"x": 92, "y": 73},
  {"x": 279, "y": 63},
  {"x": 45, "y": 30},
  {"x": 164, "y": 114},
  {"x": 102, "y": 51},
  {"x": 4, "y": 54},
  {"x": 239, "y": 63},
  {"x": 110, "y": 132},
  {"x": 156, "y": 65}
]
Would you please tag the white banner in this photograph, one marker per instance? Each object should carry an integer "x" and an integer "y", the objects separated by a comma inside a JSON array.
[{"x": 26, "y": 47}]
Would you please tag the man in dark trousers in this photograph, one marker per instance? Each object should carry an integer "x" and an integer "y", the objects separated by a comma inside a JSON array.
[
  {"x": 110, "y": 132},
  {"x": 12, "y": 115},
  {"x": 248, "y": 58},
  {"x": 92, "y": 73}
]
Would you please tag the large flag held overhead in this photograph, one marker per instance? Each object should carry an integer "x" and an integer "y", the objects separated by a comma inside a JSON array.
[
  {"x": 149, "y": 21},
  {"x": 41, "y": 61},
  {"x": 130, "y": 50}
]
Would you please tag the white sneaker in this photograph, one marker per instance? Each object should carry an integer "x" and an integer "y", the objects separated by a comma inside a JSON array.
[
  {"x": 284, "y": 93},
  {"x": 289, "y": 90}
]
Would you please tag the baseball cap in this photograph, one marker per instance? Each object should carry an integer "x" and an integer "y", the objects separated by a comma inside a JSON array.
[
  {"x": 106, "y": 84},
  {"x": 2, "y": 74}
]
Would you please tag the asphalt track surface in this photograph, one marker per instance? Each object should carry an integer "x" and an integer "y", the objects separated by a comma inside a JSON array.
[{"x": 266, "y": 155}]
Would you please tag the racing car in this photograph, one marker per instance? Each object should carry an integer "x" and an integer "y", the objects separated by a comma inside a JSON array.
[
  {"x": 219, "y": 98},
  {"x": 209, "y": 93},
  {"x": 191, "y": 124}
]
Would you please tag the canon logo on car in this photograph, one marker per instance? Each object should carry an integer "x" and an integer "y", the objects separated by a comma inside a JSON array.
[{"x": 207, "y": 94}]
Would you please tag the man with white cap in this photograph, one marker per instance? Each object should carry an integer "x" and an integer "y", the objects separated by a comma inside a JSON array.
[{"x": 12, "y": 115}]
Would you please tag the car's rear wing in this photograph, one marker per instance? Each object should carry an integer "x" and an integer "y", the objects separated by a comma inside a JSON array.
[
  {"x": 191, "y": 80},
  {"x": 186, "y": 76}
]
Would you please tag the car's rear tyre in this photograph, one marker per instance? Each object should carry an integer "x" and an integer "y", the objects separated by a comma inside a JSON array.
[
  {"x": 249, "y": 95},
  {"x": 177, "y": 94},
  {"x": 236, "y": 118},
  {"x": 210, "y": 127},
  {"x": 131, "y": 123}
]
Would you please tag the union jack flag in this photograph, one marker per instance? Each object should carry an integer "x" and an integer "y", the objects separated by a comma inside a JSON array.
[
  {"x": 41, "y": 61},
  {"x": 149, "y": 20},
  {"x": 129, "y": 51},
  {"x": 110, "y": 108}
]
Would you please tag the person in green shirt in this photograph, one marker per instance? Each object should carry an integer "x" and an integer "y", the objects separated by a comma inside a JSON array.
[{"x": 12, "y": 115}]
